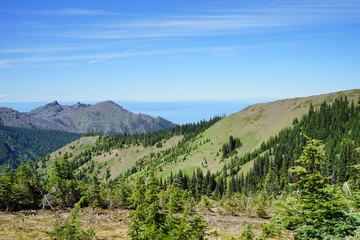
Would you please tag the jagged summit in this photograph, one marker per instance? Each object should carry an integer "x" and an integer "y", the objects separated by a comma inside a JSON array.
[
  {"x": 54, "y": 103},
  {"x": 79, "y": 104}
]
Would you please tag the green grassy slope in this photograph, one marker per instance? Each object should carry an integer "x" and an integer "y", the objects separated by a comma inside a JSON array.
[
  {"x": 116, "y": 160},
  {"x": 253, "y": 125}
]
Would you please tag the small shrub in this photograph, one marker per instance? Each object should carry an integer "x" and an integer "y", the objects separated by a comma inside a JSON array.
[
  {"x": 247, "y": 233},
  {"x": 270, "y": 231},
  {"x": 70, "y": 229}
]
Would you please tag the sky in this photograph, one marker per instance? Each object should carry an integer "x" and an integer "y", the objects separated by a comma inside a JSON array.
[{"x": 178, "y": 50}]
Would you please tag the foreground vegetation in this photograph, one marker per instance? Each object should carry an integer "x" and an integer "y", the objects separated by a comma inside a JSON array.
[{"x": 309, "y": 189}]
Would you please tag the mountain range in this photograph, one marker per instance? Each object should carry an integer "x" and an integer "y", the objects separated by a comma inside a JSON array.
[{"x": 105, "y": 118}]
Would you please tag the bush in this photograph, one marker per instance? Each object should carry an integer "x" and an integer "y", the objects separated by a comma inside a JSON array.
[
  {"x": 70, "y": 229},
  {"x": 247, "y": 233},
  {"x": 270, "y": 231}
]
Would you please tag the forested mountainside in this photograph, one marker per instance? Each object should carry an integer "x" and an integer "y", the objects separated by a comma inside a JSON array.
[
  {"x": 104, "y": 117},
  {"x": 20, "y": 145},
  {"x": 311, "y": 168},
  {"x": 174, "y": 150},
  {"x": 337, "y": 125}
]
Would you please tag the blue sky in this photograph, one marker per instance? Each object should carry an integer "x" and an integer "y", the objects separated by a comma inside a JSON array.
[{"x": 164, "y": 51}]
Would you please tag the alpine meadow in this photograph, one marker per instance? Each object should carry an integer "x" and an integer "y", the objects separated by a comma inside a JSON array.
[{"x": 180, "y": 120}]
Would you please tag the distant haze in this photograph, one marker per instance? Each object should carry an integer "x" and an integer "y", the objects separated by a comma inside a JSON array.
[{"x": 176, "y": 112}]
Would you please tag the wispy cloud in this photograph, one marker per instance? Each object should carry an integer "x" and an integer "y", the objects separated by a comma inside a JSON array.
[
  {"x": 95, "y": 58},
  {"x": 111, "y": 56},
  {"x": 63, "y": 48},
  {"x": 42, "y": 50},
  {"x": 176, "y": 27},
  {"x": 58, "y": 97},
  {"x": 73, "y": 12},
  {"x": 239, "y": 19},
  {"x": 45, "y": 98},
  {"x": 5, "y": 64},
  {"x": 102, "y": 59},
  {"x": 233, "y": 21}
]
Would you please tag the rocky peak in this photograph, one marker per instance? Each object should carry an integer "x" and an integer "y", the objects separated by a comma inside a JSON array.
[
  {"x": 54, "y": 103},
  {"x": 105, "y": 117},
  {"x": 79, "y": 104}
]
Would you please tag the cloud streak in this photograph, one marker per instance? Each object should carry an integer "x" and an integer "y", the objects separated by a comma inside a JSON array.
[
  {"x": 95, "y": 58},
  {"x": 234, "y": 21},
  {"x": 73, "y": 12},
  {"x": 5, "y": 64},
  {"x": 237, "y": 20}
]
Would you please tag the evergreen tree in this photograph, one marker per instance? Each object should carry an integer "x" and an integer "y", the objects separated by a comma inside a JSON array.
[
  {"x": 8, "y": 199},
  {"x": 71, "y": 229},
  {"x": 64, "y": 187},
  {"x": 153, "y": 220},
  {"x": 28, "y": 185},
  {"x": 318, "y": 210}
]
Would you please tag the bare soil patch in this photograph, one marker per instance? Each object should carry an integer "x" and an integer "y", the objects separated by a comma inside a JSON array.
[{"x": 110, "y": 224}]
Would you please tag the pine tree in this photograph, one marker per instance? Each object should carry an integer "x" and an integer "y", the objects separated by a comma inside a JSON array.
[{"x": 318, "y": 210}]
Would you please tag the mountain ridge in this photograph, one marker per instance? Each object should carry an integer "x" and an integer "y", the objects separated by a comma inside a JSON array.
[{"x": 104, "y": 117}]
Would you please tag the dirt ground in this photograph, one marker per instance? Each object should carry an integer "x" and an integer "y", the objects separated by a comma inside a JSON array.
[{"x": 109, "y": 224}]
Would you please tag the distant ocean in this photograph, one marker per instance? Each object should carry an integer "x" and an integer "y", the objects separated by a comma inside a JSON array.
[{"x": 176, "y": 112}]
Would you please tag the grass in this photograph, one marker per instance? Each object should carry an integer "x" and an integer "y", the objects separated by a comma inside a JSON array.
[
  {"x": 80, "y": 145},
  {"x": 190, "y": 170},
  {"x": 253, "y": 125},
  {"x": 167, "y": 172}
]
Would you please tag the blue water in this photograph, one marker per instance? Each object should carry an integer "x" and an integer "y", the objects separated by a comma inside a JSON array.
[
  {"x": 186, "y": 112},
  {"x": 176, "y": 112}
]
